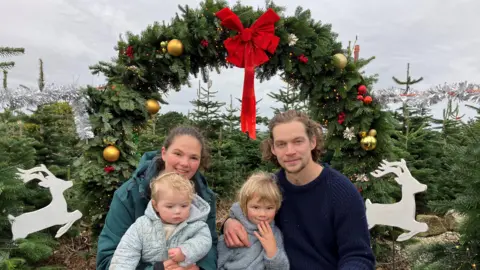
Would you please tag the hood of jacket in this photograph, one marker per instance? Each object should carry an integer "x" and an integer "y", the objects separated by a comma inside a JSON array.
[
  {"x": 199, "y": 210},
  {"x": 148, "y": 169},
  {"x": 237, "y": 213}
]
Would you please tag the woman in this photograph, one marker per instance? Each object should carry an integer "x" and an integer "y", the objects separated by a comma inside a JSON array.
[{"x": 183, "y": 152}]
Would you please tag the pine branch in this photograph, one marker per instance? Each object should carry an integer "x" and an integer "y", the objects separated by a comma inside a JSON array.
[
  {"x": 5, "y": 75},
  {"x": 399, "y": 82},
  {"x": 41, "y": 82},
  {"x": 8, "y": 51},
  {"x": 7, "y": 65},
  {"x": 416, "y": 81}
]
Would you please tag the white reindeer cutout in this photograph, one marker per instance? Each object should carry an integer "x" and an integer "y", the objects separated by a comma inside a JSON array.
[
  {"x": 55, "y": 213},
  {"x": 402, "y": 213}
]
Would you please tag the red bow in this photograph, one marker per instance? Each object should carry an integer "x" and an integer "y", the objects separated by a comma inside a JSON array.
[{"x": 247, "y": 50}]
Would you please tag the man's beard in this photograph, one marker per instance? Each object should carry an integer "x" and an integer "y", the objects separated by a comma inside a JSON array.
[{"x": 302, "y": 166}]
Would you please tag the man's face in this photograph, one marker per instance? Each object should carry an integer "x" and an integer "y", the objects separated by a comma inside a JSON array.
[{"x": 292, "y": 146}]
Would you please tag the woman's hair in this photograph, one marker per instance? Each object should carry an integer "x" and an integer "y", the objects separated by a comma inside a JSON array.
[
  {"x": 187, "y": 131},
  {"x": 171, "y": 181},
  {"x": 312, "y": 128},
  {"x": 261, "y": 184}
]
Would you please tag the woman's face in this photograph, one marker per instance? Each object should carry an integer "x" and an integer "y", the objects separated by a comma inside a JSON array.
[{"x": 183, "y": 156}]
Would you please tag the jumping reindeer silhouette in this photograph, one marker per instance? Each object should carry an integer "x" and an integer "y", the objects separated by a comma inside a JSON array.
[
  {"x": 402, "y": 213},
  {"x": 55, "y": 213}
]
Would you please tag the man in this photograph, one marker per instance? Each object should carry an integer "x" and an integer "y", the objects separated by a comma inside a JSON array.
[{"x": 322, "y": 216}]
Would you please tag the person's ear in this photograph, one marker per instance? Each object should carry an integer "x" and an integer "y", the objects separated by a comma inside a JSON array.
[
  {"x": 164, "y": 151},
  {"x": 313, "y": 142},
  {"x": 154, "y": 205}
]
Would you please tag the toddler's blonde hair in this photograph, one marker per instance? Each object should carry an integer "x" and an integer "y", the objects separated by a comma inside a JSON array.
[
  {"x": 171, "y": 181},
  {"x": 261, "y": 184}
]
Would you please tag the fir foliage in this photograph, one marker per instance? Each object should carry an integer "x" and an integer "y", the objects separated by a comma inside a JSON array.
[
  {"x": 463, "y": 162},
  {"x": 17, "y": 152}
]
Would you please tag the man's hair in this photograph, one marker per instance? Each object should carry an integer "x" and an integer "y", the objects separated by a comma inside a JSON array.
[
  {"x": 171, "y": 181},
  {"x": 261, "y": 184},
  {"x": 312, "y": 128}
]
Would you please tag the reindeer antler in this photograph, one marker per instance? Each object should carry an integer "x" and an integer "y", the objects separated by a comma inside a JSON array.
[
  {"x": 388, "y": 167},
  {"x": 33, "y": 173}
]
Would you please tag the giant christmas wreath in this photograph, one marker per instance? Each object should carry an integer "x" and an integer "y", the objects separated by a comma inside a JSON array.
[{"x": 264, "y": 43}]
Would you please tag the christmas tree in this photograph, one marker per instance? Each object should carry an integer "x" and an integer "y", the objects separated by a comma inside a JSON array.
[
  {"x": 18, "y": 152},
  {"x": 230, "y": 116},
  {"x": 408, "y": 82},
  {"x": 422, "y": 148},
  {"x": 290, "y": 99},
  {"x": 462, "y": 162},
  {"x": 5, "y": 66},
  {"x": 206, "y": 112}
]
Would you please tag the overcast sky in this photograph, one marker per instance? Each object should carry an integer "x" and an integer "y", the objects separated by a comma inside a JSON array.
[{"x": 440, "y": 39}]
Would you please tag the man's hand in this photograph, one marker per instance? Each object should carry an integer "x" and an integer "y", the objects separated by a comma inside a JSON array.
[
  {"x": 172, "y": 265},
  {"x": 176, "y": 254},
  {"x": 235, "y": 234},
  {"x": 265, "y": 235}
]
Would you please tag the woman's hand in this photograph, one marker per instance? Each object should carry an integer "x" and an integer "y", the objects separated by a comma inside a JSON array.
[
  {"x": 235, "y": 234},
  {"x": 267, "y": 239}
]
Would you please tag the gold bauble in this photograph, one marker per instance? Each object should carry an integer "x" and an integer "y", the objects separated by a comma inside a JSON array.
[
  {"x": 163, "y": 44},
  {"x": 175, "y": 47},
  {"x": 368, "y": 143},
  {"x": 152, "y": 106},
  {"x": 372, "y": 132},
  {"x": 340, "y": 61},
  {"x": 111, "y": 153},
  {"x": 362, "y": 134}
]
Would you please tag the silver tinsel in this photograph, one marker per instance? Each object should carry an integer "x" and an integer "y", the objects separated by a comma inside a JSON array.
[
  {"x": 23, "y": 97},
  {"x": 465, "y": 92}
]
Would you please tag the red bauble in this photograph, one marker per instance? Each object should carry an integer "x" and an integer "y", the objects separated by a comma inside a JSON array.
[
  {"x": 360, "y": 97},
  {"x": 129, "y": 52},
  {"x": 109, "y": 169},
  {"x": 341, "y": 118},
  {"x": 302, "y": 58},
  {"x": 367, "y": 100},
  {"x": 362, "y": 90}
]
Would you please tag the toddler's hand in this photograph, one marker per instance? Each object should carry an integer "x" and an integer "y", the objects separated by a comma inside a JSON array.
[
  {"x": 176, "y": 254},
  {"x": 265, "y": 235}
]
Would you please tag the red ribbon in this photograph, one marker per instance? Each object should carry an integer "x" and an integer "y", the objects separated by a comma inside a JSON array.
[{"x": 247, "y": 50}]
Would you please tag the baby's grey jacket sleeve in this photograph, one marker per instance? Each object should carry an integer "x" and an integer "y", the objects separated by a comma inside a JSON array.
[
  {"x": 197, "y": 246},
  {"x": 280, "y": 260},
  {"x": 129, "y": 250}
]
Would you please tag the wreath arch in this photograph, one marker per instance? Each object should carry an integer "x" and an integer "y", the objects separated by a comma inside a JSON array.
[{"x": 265, "y": 43}]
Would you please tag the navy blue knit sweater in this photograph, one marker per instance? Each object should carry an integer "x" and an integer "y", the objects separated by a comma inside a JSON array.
[{"x": 324, "y": 224}]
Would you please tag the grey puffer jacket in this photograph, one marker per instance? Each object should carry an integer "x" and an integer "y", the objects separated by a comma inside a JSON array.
[
  {"x": 145, "y": 239},
  {"x": 253, "y": 257}
]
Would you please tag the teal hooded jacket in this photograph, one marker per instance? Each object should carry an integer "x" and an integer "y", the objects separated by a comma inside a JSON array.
[{"x": 129, "y": 203}]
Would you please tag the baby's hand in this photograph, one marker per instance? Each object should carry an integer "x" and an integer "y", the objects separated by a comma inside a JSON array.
[{"x": 176, "y": 254}]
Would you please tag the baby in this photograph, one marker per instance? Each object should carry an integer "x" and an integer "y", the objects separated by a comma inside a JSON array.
[
  {"x": 173, "y": 227},
  {"x": 258, "y": 201}
]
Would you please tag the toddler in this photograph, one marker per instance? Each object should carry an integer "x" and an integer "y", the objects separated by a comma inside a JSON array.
[
  {"x": 258, "y": 201},
  {"x": 173, "y": 227}
]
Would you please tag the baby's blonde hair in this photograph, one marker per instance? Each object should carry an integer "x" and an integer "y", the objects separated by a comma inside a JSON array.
[
  {"x": 172, "y": 181},
  {"x": 261, "y": 184}
]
